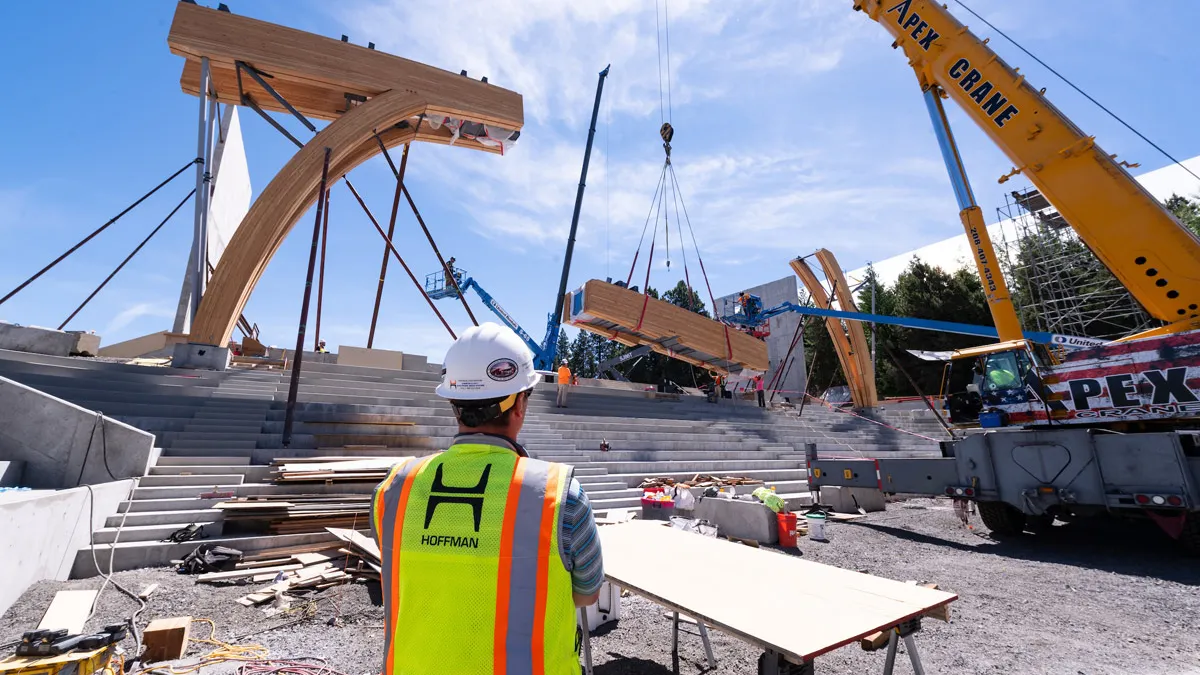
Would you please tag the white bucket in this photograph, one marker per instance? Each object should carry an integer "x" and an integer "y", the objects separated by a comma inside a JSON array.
[{"x": 816, "y": 526}]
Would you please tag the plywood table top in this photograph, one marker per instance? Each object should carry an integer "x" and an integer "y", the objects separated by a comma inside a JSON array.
[{"x": 796, "y": 607}]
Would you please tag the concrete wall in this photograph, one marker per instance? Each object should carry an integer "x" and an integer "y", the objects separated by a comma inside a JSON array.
[
  {"x": 41, "y": 531},
  {"x": 370, "y": 358},
  {"x": 154, "y": 343},
  {"x": 36, "y": 340},
  {"x": 783, "y": 327},
  {"x": 51, "y": 437}
]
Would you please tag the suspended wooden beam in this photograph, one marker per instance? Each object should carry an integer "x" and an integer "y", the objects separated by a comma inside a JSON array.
[{"x": 635, "y": 319}]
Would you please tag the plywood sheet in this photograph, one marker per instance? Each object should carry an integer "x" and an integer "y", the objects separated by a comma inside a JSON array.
[
  {"x": 759, "y": 595},
  {"x": 636, "y": 319},
  {"x": 68, "y": 609}
]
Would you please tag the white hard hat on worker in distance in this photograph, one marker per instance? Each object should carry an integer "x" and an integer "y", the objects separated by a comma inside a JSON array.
[{"x": 487, "y": 361}]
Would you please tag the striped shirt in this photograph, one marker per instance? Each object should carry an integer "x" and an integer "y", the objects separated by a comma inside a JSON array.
[{"x": 581, "y": 542}]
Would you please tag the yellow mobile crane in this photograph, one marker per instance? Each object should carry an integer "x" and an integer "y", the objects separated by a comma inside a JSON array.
[{"x": 1058, "y": 464}]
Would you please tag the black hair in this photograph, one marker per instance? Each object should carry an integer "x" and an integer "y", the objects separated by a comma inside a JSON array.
[{"x": 484, "y": 411}]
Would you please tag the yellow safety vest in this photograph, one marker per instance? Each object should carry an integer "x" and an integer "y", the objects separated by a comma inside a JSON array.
[{"x": 474, "y": 576}]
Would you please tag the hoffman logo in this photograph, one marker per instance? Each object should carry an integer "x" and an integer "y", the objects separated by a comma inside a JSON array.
[
  {"x": 502, "y": 370},
  {"x": 440, "y": 493}
]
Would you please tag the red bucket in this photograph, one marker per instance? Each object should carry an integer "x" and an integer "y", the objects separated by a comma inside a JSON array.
[{"x": 787, "y": 529}]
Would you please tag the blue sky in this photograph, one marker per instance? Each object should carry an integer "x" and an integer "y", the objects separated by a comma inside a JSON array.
[{"x": 797, "y": 127}]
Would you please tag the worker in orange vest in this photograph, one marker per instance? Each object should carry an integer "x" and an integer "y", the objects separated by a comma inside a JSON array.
[{"x": 564, "y": 381}]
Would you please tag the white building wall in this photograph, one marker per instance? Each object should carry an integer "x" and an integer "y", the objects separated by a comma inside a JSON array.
[{"x": 783, "y": 328}]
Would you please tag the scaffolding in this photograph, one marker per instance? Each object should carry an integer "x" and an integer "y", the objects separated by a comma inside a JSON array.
[{"x": 1059, "y": 285}]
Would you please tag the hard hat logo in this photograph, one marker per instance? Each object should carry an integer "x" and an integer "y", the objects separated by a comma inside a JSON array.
[
  {"x": 487, "y": 361},
  {"x": 502, "y": 370}
]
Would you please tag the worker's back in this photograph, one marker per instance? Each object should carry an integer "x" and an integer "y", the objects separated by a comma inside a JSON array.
[
  {"x": 474, "y": 573},
  {"x": 564, "y": 374}
]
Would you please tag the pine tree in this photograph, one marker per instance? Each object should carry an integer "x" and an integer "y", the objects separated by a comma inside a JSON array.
[{"x": 564, "y": 347}]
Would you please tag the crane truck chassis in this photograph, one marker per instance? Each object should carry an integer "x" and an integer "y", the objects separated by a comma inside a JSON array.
[{"x": 1025, "y": 478}]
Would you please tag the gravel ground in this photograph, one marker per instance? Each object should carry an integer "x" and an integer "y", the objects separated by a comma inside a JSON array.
[{"x": 1083, "y": 599}]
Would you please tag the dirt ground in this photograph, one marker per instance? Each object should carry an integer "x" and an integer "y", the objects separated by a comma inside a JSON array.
[{"x": 1083, "y": 599}]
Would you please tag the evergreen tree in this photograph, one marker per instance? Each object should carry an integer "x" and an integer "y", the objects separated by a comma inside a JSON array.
[
  {"x": 581, "y": 360},
  {"x": 564, "y": 347},
  {"x": 1186, "y": 210}
]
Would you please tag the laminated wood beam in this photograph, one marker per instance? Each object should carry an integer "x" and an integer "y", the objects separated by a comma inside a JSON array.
[
  {"x": 854, "y": 329},
  {"x": 319, "y": 70},
  {"x": 314, "y": 74},
  {"x": 635, "y": 319},
  {"x": 841, "y": 343}
]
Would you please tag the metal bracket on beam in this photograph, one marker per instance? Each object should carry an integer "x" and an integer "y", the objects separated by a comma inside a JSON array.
[{"x": 257, "y": 75}]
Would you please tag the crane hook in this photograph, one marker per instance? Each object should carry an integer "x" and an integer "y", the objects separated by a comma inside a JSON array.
[{"x": 667, "y": 132}]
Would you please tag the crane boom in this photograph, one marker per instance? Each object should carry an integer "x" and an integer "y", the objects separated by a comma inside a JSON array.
[{"x": 1133, "y": 235}]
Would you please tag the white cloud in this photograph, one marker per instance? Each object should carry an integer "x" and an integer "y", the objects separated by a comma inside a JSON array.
[{"x": 134, "y": 312}]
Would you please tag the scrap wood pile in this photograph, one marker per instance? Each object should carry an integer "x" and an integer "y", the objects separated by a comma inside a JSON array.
[
  {"x": 699, "y": 480},
  {"x": 353, "y": 557}
]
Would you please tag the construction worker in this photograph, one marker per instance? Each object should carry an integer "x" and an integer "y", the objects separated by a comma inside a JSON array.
[
  {"x": 758, "y": 387},
  {"x": 1001, "y": 378},
  {"x": 321, "y": 347},
  {"x": 486, "y": 552},
  {"x": 564, "y": 381}
]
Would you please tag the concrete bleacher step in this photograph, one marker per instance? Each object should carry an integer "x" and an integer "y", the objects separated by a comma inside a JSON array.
[
  {"x": 151, "y": 533},
  {"x": 251, "y": 473},
  {"x": 139, "y": 518},
  {"x": 176, "y": 480},
  {"x": 136, "y": 554},
  {"x": 184, "y": 460}
]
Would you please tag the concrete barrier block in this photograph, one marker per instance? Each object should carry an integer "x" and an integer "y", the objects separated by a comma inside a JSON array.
[
  {"x": 200, "y": 357},
  {"x": 35, "y": 340},
  {"x": 86, "y": 344},
  {"x": 843, "y": 499},
  {"x": 369, "y": 358},
  {"x": 739, "y": 518}
]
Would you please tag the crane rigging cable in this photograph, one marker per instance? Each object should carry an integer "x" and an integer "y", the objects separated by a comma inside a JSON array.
[
  {"x": 1076, "y": 88},
  {"x": 667, "y": 180}
]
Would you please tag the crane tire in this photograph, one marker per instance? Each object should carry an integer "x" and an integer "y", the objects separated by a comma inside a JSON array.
[
  {"x": 1190, "y": 537},
  {"x": 1001, "y": 518}
]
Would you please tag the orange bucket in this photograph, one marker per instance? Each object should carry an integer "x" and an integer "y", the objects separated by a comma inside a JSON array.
[{"x": 787, "y": 529}]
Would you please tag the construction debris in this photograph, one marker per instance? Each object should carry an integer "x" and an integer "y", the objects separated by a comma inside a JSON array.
[
  {"x": 699, "y": 480},
  {"x": 354, "y": 557}
]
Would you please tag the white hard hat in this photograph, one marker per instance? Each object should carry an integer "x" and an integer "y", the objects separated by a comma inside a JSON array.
[{"x": 487, "y": 361}]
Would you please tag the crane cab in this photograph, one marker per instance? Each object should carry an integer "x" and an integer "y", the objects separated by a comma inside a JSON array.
[{"x": 1001, "y": 384}]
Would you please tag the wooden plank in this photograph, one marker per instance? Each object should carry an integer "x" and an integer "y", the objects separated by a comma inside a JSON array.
[
  {"x": 241, "y": 574},
  {"x": 738, "y": 589},
  {"x": 68, "y": 609},
  {"x": 349, "y": 466},
  {"x": 643, "y": 320},
  {"x": 166, "y": 639},
  {"x": 358, "y": 541},
  {"x": 291, "y": 55}
]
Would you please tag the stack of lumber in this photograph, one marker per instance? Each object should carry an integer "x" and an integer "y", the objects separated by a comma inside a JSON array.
[
  {"x": 300, "y": 513},
  {"x": 353, "y": 557},
  {"x": 303, "y": 512},
  {"x": 635, "y": 319},
  {"x": 326, "y": 469},
  {"x": 699, "y": 480}
]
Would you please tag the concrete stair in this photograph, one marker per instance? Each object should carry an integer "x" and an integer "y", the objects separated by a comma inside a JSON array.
[{"x": 219, "y": 431}]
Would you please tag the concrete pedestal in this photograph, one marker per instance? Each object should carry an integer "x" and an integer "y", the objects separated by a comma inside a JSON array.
[
  {"x": 741, "y": 519},
  {"x": 849, "y": 499},
  {"x": 36, "y": 340},
  {"x": 200, "y": 357}
]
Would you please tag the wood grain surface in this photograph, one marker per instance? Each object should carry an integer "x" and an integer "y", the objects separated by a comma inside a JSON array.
[{"x": 799, "y": 608}]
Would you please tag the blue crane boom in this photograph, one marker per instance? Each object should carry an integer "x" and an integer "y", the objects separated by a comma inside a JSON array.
[
  {"x": 437, "y": 288},
  {"x": 754, "y": 319}
]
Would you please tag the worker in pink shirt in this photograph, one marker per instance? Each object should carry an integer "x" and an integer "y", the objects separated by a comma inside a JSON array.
[{"x": 758, "y": 386}]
